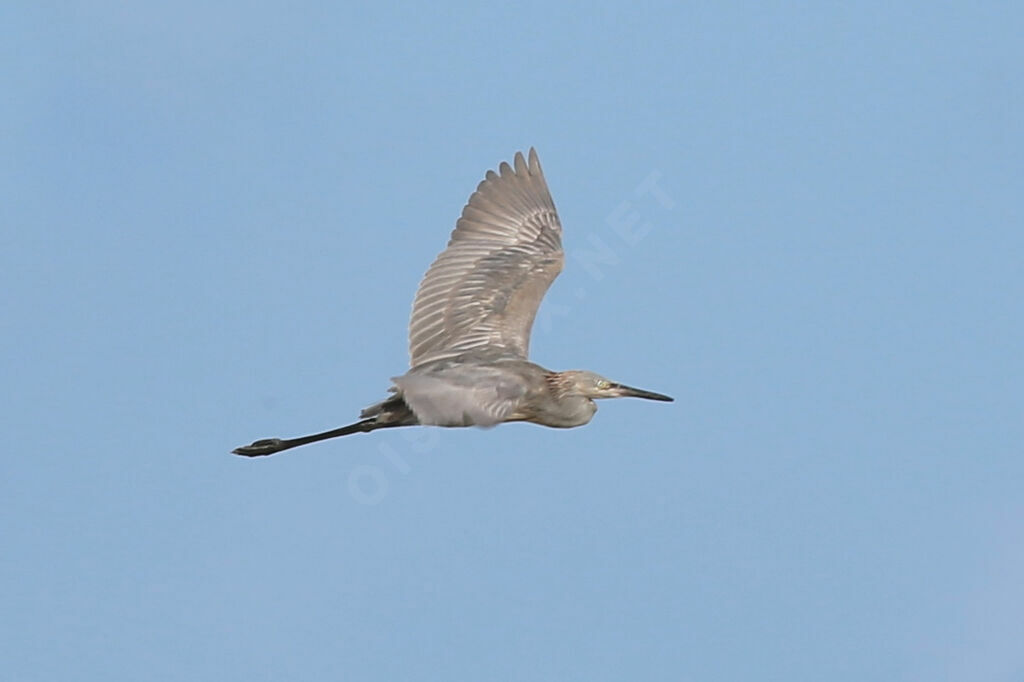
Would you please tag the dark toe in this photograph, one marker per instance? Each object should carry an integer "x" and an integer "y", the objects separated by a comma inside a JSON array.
[{"x": 267, "y": 446}]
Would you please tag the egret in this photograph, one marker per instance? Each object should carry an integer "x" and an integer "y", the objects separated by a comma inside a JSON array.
[{"x": 469, "y": 333}]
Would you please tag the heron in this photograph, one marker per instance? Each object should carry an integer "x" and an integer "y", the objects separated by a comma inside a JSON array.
[{"x": 469, "y": 332}]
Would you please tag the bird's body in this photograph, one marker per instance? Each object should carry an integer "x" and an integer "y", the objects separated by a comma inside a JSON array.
[
  {"x": 476, "y": 390},
  {"x": 469, "y": 333}
]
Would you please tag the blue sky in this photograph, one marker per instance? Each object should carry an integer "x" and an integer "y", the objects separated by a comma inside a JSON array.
[{"x": 213, "y": 223}]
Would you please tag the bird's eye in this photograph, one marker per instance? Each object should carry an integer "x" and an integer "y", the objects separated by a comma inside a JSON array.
[{"x": 602, "y": 384}]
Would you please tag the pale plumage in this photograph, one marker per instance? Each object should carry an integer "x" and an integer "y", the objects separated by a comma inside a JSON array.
[
  {"x": 469, "y": 333},
  {"x": 484, "y": 289}
]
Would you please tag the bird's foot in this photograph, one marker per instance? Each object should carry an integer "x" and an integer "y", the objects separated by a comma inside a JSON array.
[{"x": 267, "y": 446}]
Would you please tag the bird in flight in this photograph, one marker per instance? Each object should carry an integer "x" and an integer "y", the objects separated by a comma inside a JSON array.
[{"x": 469, "y": 333}]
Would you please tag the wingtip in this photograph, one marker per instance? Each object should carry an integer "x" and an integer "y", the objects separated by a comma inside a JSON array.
[
  {"x": 522, "y": 164},
  {"x": 521, "y": 167},
  {"x": 534, "y": 162}
]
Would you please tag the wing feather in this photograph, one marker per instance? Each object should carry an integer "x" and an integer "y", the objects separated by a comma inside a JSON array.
[{"x": 485, "y": 288}]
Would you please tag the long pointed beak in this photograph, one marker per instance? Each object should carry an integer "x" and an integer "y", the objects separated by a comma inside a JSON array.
[{"x": 630, "y": 392}]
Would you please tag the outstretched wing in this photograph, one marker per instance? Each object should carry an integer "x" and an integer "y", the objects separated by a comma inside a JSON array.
[{"x": 483, "y": 291}]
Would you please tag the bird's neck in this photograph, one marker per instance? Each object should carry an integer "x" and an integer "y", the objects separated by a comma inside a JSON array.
[
  {"x": 578, "y": 409},
  {"x": 559, "y": 384},
  {"x": 566, "y": 408}
]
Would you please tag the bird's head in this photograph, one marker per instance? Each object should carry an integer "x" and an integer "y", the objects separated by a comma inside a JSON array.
[{"x": 591, "y": 385}]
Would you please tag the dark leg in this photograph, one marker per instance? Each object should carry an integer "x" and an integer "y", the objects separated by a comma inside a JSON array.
[{"x": 269, "y": 446}]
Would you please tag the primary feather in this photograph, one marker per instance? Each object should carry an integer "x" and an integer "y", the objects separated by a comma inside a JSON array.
[{"x": 485, "y": 288}]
